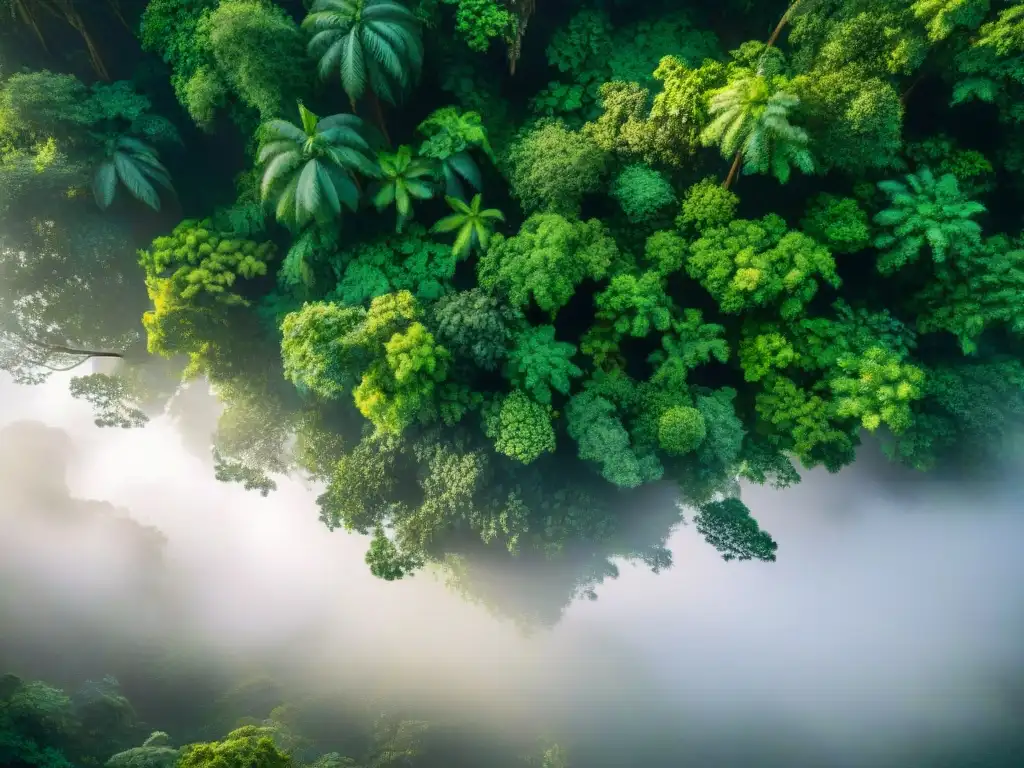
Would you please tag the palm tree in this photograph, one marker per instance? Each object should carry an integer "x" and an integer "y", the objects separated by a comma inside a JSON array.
[
  {"x": 752, "y": 123},
  {"x": 474, "y": 225},
  {"x": 136, "y": 165},
  {"x": 404, "y": 177},
  {"x": 310, "y": 170},
  {"x": 375, "y": 42}
]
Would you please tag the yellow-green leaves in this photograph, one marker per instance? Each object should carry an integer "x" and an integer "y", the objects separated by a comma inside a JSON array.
[
  {"x": 400, "y": 389},
  {"x": 317, "y": 350},
  {"x": 521, "y": 428},
  {"x": 546, "y": 260},
  {"x": 681, "y": 429},
  {"x": 878, "y": 388},
  {"x": 635, "y": 305},
  {"x": 758, "y": 264}
]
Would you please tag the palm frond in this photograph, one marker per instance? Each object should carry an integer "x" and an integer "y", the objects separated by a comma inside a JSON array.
[
  {"x": 481, "y": 234},
  {"x": 278, "y": 129},
  {"x": 135, "y": 146},
  {"x": 347, "y": 157},
  {"x": 309, "y": 120},
  {"x": 384, "y": 54},
  {"x": 344, "y": 187},
  {"x": 354, "y": 123},
  {"x": 104, "y": 184},
  {"x": 326, "y": 21},
  {"x": 332, "y": 203},
  {"x": 381, "y": 82},
  {"x": 464, "y": 240},
  {"x": 449, "y": 223},
  {"x": 307, "y": 193},
  {"x": 403, "y": 203},
  {"x": 405, "y": 40},
  {"x": 135, "y": 181},
  {"x": 421, "y": 190},
  {"x": 331, "y": 59},
  {"x": 285, "y": 208},
  {"x": 274, "y": 148},
  {"x": 387, "y": 11},
  {"x": 458, "y": 205},
  {"x": 353, "y": 66},
  {"x": 383, "y": 196},
  {"x": 464, "y": 165},
  {"x": 279, "y": 167}
]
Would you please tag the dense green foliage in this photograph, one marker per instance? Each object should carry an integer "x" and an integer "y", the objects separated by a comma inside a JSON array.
[
  {"x": 700, "y": 264},
  {"x": 41, "y": 726}
]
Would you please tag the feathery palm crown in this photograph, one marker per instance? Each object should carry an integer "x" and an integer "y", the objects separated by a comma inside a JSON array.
[
  {"x": 474, "y": 225},
  {"x": 309, "y": 169},
  {"x": 375, "y": 42},
  {"x": 404, "y": 177},
  {"x": 752, "y": 120}
]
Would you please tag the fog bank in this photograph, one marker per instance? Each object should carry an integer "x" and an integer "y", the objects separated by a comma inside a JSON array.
[{"x": 887, "y": 633}]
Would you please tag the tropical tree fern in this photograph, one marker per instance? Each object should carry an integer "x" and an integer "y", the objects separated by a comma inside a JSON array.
[
  {"x": 473, "y": 225},
  {"x": 751, "y": 123},
  {"x": 926, "y": 214},
  {"x": 134, "y": 164},
  {"x": 375, "y": 42},
  {"x": 404, "y": 177},
  {"x": 308, "y": 171}
]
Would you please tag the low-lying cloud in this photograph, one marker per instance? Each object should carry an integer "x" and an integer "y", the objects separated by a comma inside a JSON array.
[{"x": 886, "y": 634}]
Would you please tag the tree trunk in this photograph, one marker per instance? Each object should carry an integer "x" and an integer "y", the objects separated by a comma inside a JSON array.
[
  {"x": 65, "y": 9},
  {"x": 733, "y": 171},
  {"x": 115, "y": 8},
  {"x": 29, "y": 19},
  {"x": 782, "y": 23},
  {"x": 910, "y": 89},
  {"x": 94, "y": 54}
]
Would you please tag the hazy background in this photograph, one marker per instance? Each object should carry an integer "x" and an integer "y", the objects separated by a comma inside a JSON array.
[{"x": 888, "y": 632}]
